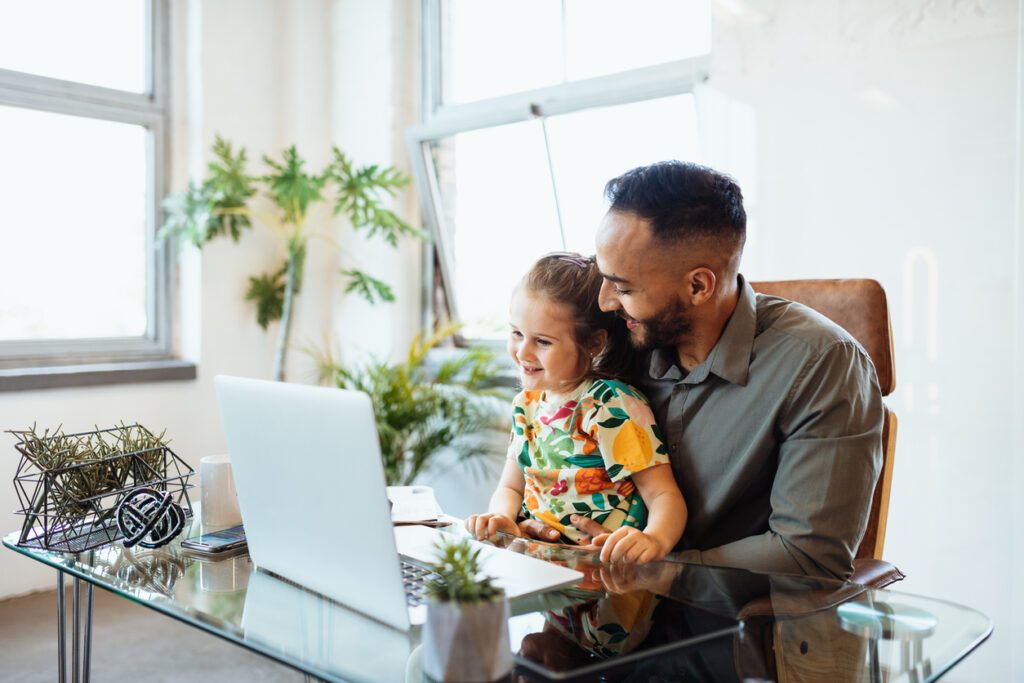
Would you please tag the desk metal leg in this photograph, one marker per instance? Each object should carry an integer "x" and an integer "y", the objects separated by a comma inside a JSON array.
[
  {"x": 61, "y": 635},
  {"x": 81, "y": 648},
  {"x": 75, "y": 624},
  {"x": 86, "y": 655}
]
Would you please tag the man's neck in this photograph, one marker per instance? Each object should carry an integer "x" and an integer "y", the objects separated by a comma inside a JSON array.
[{"x": 707, "y": 330}]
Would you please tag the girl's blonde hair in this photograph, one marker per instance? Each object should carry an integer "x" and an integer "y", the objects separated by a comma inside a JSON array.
[{"x": 574, "y": 281}]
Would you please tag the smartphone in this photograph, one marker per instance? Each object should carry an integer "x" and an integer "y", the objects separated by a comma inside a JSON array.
[{"x": 218, "y": 543}]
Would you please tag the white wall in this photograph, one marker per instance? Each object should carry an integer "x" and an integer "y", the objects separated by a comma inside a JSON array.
[
  {"x": 265, "y": 75},
  {"x": 879, "y": 139}
]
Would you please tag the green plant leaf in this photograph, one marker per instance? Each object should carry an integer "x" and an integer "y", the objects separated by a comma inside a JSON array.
[
  {"x": 360, "y": 192},
  {"x": 190, "y": 215},
  {"x": 232, "y": 186},
  {"x": 370, "y": 288},
  {"x": 419, "y": 417},
  {"x": 267, "y": 292},
  {"x": 291, "y": 188}
]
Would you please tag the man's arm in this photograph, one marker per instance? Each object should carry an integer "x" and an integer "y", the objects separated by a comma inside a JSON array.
[{"x": 829, "y": 459}]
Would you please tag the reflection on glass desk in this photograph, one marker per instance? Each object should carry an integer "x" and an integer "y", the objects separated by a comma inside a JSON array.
[{"x": 663, "y": 621}]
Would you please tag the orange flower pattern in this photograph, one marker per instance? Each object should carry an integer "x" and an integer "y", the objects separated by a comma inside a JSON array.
[{"x": 577, "y": 456}]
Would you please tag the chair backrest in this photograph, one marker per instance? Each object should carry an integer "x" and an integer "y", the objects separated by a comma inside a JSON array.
[{"x": 861, "y": 308}]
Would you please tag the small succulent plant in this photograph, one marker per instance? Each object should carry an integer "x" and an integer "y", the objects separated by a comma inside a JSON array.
[{"x": 458, "y": 576}]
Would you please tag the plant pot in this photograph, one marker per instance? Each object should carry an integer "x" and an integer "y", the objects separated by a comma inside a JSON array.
[{"x": 467, "y": 641}]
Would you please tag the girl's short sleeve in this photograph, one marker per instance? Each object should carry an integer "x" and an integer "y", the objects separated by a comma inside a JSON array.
[
  {"x": 518, "y": 448},
  {"x": 623, "y": 425}
]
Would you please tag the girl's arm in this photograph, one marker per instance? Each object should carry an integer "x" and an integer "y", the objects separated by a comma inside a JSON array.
[
  {"x": 504, "y": 506},
  {"x": 508, "y": 497},
  {"x": 666, "y": 519}
]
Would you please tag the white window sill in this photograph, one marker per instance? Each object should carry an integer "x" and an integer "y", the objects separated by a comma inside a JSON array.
[{"x": 93, "y": 374}]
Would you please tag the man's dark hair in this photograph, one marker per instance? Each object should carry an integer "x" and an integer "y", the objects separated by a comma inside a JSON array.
[{"x": 681, "y": 200}]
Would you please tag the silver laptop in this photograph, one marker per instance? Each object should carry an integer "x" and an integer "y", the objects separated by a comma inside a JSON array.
[{"x": 310, "y": 481}]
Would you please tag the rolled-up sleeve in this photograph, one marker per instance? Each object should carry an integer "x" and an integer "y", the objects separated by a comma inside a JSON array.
[{"x": 829, "y": 457}]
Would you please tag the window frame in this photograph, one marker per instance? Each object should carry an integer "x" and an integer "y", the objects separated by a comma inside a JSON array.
[
  {"x": 440, "y": 120},
  {"x": 149, "y": 109}
]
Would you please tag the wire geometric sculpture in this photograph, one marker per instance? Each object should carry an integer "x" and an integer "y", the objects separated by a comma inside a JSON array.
[{"x": 70, "y": 485}]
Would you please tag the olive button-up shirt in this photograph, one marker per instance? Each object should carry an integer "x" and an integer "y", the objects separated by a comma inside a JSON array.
[{"x": 775, "y": 440}]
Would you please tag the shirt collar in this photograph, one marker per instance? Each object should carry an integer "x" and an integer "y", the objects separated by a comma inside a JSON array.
[{"x": 730, "y": 357}]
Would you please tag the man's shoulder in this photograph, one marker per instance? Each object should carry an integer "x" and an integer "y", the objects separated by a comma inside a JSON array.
[{"x": 781, "y": 322}]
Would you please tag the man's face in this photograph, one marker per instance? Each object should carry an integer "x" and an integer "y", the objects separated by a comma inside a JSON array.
[{"x": 643, "y": 282}]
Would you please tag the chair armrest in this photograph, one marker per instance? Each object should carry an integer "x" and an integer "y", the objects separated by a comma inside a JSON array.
[
  {"x": 875, "y": 573},
  {"x": 867, "y": 574}
]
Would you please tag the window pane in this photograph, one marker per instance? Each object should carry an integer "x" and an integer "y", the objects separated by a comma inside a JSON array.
[
  {"x": 500, "y": 209},
  {"x": 605, "y": 36},
  {"x": 497, "y": 47},
  {"x": 73, "y": 233},
  {"x": 627, "y": 136},
  {"x": 99, "y": 43}
]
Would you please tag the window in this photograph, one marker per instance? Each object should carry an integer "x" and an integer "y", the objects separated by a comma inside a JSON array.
[
  {"x": 530, "y": 107},
  {"x": 83, "y": 121}
]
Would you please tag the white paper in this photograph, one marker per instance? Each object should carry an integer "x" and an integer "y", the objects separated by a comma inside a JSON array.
[{"x": 413, "y": 504}]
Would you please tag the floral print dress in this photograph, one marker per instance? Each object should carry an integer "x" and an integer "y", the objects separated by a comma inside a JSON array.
[{"x": 577, "y": 456}]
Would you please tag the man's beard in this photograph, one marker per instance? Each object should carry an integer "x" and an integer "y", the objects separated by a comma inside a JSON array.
[{"x": 664, "y": 330}]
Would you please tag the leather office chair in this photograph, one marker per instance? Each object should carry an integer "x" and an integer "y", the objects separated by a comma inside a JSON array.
[{"x": 861, "y": 308}]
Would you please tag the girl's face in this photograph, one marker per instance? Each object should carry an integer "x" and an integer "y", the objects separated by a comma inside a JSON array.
[{"x": 541, "y": 343}]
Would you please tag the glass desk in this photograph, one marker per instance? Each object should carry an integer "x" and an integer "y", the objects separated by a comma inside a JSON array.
[{"x": 663, "y": 621}]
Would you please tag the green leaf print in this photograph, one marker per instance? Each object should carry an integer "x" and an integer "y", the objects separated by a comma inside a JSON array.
[
  {"x": 661, "y": 450},
  {"x": 603, "y": 392},
  {"x": 600, "y": 519},
  {"x": 612, "y": 422},
  {"x": 585, "y": 461},
  {"x": 613, "y": 471},
  {"x": 555, "y": 448},
  {"x": 618, "y": 412},
  {"x": 619, "y": 388},
  {"x": 516, "y": 427},
  {"x": 598, "y": 501},
  {"x": 614, "y": 501},
  {"x": 581, "y": 507},
  {"x": 524, "y": 455},
  {"x": 557, "y": 506}
]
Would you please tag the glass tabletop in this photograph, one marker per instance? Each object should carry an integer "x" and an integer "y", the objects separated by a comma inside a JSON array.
[{"x": 665, "y": 619}]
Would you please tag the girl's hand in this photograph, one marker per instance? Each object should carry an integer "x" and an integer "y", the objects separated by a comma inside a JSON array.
[
  {"x": 486, "y": 526},
  {"x": 628, "y": 544}
]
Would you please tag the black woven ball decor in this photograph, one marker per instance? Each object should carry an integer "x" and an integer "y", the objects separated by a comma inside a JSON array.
[{"x": 149, "y": 518}]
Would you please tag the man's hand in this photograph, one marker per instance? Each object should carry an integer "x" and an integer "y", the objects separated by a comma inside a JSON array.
[
  {"x": 485, "y": 527},
  {"x": 533, "y": 528}
]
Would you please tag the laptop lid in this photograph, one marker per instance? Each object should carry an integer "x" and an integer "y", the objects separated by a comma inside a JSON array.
[{"x": 311, "y": 490}]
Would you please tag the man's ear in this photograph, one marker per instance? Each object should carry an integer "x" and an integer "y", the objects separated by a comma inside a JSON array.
[{"x": 702, "y": 283}]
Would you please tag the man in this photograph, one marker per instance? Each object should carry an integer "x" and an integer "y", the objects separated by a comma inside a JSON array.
[{"x": 772, "y": 413}]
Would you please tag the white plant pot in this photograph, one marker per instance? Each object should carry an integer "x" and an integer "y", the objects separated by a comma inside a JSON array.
[{"x": 467, "y": 642}]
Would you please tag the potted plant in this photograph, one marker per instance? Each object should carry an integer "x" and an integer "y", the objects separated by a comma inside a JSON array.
[
  {"x": 465, "y": 637},
  {"x": 422, "y": 411},
  {"x": 227, "y": 200}
]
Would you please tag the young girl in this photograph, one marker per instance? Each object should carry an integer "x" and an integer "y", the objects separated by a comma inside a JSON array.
[{"x": 583, "y": 443}]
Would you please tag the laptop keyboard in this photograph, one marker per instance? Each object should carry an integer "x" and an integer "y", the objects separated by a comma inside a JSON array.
[{"x": 415, "y": 579}]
